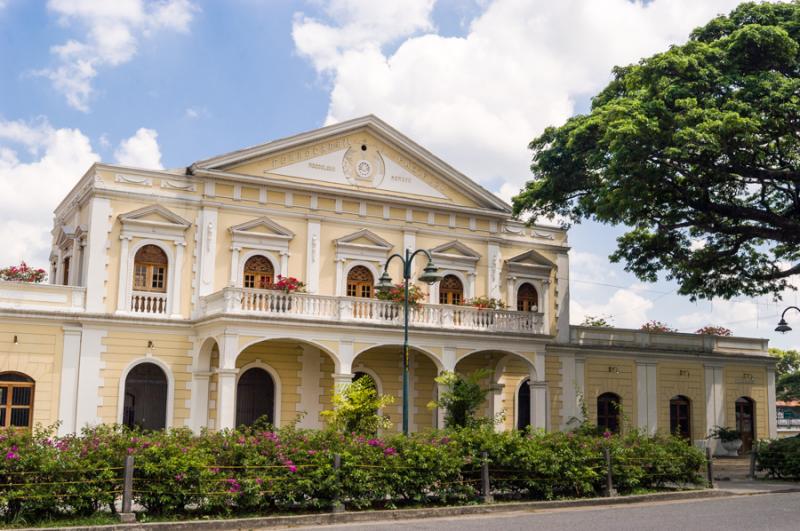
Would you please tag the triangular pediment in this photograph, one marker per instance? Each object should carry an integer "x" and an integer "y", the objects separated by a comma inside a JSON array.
[
  {"x": 263, "y": 226},
  {"x": 364, "y": 238},
  {"x": 455, "y": 250},
  {"x": 530, "y": 263},
  {"x": 155, "y": 215},
  {"x": 364, "y": 154}
]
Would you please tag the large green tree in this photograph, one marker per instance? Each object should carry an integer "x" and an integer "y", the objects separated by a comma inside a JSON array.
[
  {"x": 697, "y": 151},
  {"x": 787, "y": 374}
]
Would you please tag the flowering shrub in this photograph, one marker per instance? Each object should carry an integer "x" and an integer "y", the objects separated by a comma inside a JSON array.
[
  {"x": 657, "y": 326},
  {"x": 485, "y": 302},
  {"x": 23, "y": 273},
  {"x": 711, "y": 330},
  {"x": 395, "y": 294},
  {"x": 355, "y": 410},
  {"x": 263, "y": 470},
  {"x": 289, "y": 285}
]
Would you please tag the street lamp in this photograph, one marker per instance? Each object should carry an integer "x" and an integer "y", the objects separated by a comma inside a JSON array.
[
  {"x": 430, "y": 275},
  {"x": 783, "y": 326}
]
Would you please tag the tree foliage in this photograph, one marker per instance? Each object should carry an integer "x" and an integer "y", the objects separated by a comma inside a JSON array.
[
  {"x": 356, "y": 408},
  {"x": 463, "y": 397},
  {"x": 787, "y": 374},
  {"x": 697, "y": 151},
  {"x": 599, "y": 321}
]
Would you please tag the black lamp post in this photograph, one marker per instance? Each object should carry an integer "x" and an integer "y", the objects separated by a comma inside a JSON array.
[
  {"x": 783, "y": 326},
  {"x": 430, "y": 275}
]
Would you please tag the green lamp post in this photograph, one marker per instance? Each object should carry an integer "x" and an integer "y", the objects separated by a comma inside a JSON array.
[{"x": 430, "y": 275}]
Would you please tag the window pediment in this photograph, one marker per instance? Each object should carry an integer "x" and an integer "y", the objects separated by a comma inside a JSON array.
[
  {"x": 261, "y": 233},
  {"x": 455, "y": 254},
  {"x": 530, "y": 264},
  {"x": 363, "y": 244},
  {"x": 154, "y": 220}
]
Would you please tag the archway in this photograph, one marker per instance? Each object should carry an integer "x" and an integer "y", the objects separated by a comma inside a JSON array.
[
  {"x": 608, "y": 406},
  {"x": 255, "y": 397},
  {"x": 524, "y": 405},
  {"x": 451, "y": 290},
  {"x": 145, "y": 397},
  {"x": 746, "y": 421}
]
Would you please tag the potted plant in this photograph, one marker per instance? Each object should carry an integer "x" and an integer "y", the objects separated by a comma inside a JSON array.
[
  {"x": 395, "y": 294},
  {"x": 23, "y": 273},
  {"x": 289, "y": 285},
  {"x": 729, "y": 438},
  {"x": 484, "y": 303}
]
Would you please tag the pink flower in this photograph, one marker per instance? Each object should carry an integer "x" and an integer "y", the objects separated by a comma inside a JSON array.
[
  {"x": 312, "y": 452},
  {"x": 180, "y": 477},
  {"x": 375, "y": 442},
  {"x": 390, "y": 451},
  {"x": 233, "y": 485},
  {"x": 130, "y": 451},
  {"x": 607, "y": 434},
  {"x": 12, "y": 455}
]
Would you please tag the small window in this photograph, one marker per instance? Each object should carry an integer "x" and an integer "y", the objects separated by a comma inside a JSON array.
[
  {"x": 360, "y": 282},
  {"x": 16, "y": 400},
  {"x": 258, "y": 273},
  {"x": 527, "y": 298},
  {"x": 608, "y": 412},
  {"x": 451, "y": 290},
  {"x": 150, "y": 269}
]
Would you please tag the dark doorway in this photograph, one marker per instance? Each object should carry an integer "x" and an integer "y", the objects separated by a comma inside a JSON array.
[
  {"x": 524, "y": 405},
  {"x": 680, "y": 417},
  {"x": 746, "y": 422},
  {"x": 145, "y": 403},
  {"x": 255, "y": 397},
  {"x": 608, "y": 412}
]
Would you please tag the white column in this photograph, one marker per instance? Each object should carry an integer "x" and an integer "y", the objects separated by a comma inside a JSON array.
[
  {"x": 89, "y": 378},
  {"x": 570, "y": 411},
  {"x": 226, "y": 398},
  {"x": 96, "y": 273},
  {"x": 341, "y": 381},
  {"x": 448, "y": 365},
  {"x": 495, "y": 270},
  {"x": 313, "y": 255},
  {"x": 124, "y": 278},
  {"x": 285, "y": 263},
  {"x": 82, "y": 264},
  {"x": 562, "y": 300},
  {"x": 339, "y": 277},
  {"x": 199, "y": 412},
  {"x": 70, "y": 364},
  {"x": 440, "y": 411},
  {"x": 233, "y": 279},
  {"x": 175, "y": 302},
  {"x": 309, "y": 403},
  {"x": 75, "y": 264},
  {"x": 471, "y": 285},
  {"x": 715, "y": 401},
  {"x": 511, "y": 293},
  {"x": 538, "y": 402},
  {"x": 545, "y": 306},
  {"x": 497, "y": 403},
  {"x": 771, "y": 405},
  {"x": 646, "y": 397}
]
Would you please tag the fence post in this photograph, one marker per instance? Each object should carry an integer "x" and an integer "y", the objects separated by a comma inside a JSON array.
[
  {"x": 486, "y": 496},
  {"x": 609, "y": 490},
  {"x": 710, "y": 467},
  {"x": 127, "y": 515},
  {"x": 752, "y": 474},
  {"x": 338, "y": 506}
]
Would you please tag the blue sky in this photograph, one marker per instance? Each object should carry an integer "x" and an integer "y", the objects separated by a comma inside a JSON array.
[{"x": 162, "y": 83}]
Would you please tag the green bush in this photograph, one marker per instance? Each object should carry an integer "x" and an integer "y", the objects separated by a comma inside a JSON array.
[{"x": 780, "y": 458}]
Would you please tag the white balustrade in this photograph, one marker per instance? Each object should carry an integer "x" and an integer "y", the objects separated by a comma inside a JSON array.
[
  {"x": 143, "y": 302},
  {"x": 353, "y": 309}
]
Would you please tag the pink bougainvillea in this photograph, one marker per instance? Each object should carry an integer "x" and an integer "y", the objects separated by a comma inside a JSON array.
[{"x": 23, "y": 273}]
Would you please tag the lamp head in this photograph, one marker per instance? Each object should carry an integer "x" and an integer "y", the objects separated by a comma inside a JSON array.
[
  {"x": 783, "y": 326},
  {"x": 384, "y": 283},
  {"x": 430, "y": 275}
]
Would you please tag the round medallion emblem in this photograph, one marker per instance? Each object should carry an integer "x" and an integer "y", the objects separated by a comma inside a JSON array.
[
  {"x": 363, "y": 166},
  {"x": 363, "y": 169}
]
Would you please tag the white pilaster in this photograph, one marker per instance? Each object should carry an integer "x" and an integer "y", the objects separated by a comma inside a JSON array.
[
  {"x": 511, "y": 293},
  {"x": 206, "y": 250},
  {"x": 569, "y": 392},
  {"x": 226, "y": 398},
  {"x": 285, "y": 264},
  {"x": 233, "y": 279},
  {"x": 497, "y": 403},
  {"x": 562, "y": 300},
  {"x": 715, "y": 401},
  {"x": 538, "y": 403},
  {"x": 495, "y": 269},
  {"x": 345, "y": 356},
  {"x": 313, "y": 256},
  {"x": 410, "y": 240},
  {"x": 75, "y": 263},
  {"x": 545, "y": 307},
  {"x": 99, "y": 226},
  {"x": 177, "y": 282},
  {"x": 339, "y": 277},
  {"x": 89, "y": 378},
  {"x": 646, "y": 397},
  {"x": 470, "y": 285},
  {"x": 70, "y": 364},
  {"x": 341, "y": 381},
  {"x": 124, "y": 260},
  {"x": 309, "y": 381},
  {"x": 772, "y": 413},
  {"x": 199, "y": 412}
]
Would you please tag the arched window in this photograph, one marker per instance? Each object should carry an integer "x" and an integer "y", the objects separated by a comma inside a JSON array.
[
  {"x": 746, "y": 421},
  {"x": 255, "y": 397},
  {"x": 451, "y": 290},
  {"x": 150, "y": 269},
  {"x": 16, "y": 400},
  {"x": 524, "y": 405},
  {"x": 527, "y": 298},
  {"x": 146, "y": 390},
  {"x": 680, "y": 416},
  {"x": 360, "y": 282},
  {"x": 258, "y": 273},
  {"x": 608, "y": 412}
]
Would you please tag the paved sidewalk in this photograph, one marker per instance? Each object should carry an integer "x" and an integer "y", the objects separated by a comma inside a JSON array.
[{"x": 756, "y": 486}]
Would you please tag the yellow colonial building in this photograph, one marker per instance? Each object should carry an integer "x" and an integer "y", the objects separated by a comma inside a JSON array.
[{"x": 161, "y": 308}]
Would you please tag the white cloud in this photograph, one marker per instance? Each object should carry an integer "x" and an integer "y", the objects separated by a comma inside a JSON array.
[
  {"x": 478, "y": 100},
  {"x": 625, "y": 308},
  {"x": 39, "y": 165},
  {"x": 141, "y": 150},
  {"x": 112, "y": 29}
]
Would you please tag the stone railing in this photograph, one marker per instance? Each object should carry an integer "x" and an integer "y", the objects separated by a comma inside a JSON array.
[
  {"x": 267, "y": 303},
  {"x": 148, "y": 303},
  {"x": 49, "y": 297},
  {"x": 622, "y": 337}
]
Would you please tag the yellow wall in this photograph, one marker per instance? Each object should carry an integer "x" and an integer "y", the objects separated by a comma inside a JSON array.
[
  {"x": 600, "y": 380},
  {"x": 687, "y": 379},
  {"x": 552, "y": 374},
  {"x": 37, "y": 354},
  {"x": 736, "y": 385}
]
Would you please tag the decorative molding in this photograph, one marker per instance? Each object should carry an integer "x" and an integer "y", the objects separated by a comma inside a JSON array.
[
  {"x": 277, "y": 237},
  {"x": 377, "y": 249},
  {"x": 171, "y": 225},
  {"x": 178, "y": 185},
  {"x": 133, "y": 179}
]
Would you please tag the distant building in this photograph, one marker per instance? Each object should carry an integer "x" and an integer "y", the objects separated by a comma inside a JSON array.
[
  {"x": 788, "y": 418},
  {"x": 162, "y": 308}
]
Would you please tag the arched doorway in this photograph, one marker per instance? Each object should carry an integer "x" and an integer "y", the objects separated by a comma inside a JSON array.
[
  {"x": 608, "y": 405},
  {"x": 680, "y": 416},
  {"x": 255, "y": 397},
  {"x": 16, "y": 400},
  {"x": 451, "y": 290},
  {"x": 746, "y": 421},
  {"x": 258, "y": 273},
  {"x": 527, "y": 298},
  {"x": 524, "y": 405},
  {"x": 360, "y": 282},
  {"x": 145, "y": 399}
]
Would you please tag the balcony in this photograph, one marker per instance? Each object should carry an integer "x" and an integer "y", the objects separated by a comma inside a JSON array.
[
  {"x": 305, "y": 306},
  {"x": 47, "y": 297}
]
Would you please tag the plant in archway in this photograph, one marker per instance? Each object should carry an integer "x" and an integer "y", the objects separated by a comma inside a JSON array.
[
  {"x": 463, "y": 397},
  {"x": 356, "y": 408}
]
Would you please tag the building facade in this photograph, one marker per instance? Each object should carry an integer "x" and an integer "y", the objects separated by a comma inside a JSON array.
[{"x": 161, "y": 309}]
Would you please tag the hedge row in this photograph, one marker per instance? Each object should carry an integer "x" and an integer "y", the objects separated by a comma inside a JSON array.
[
  {"x": 780, "y": 457},
  {"x": 261, "y": 471}
]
